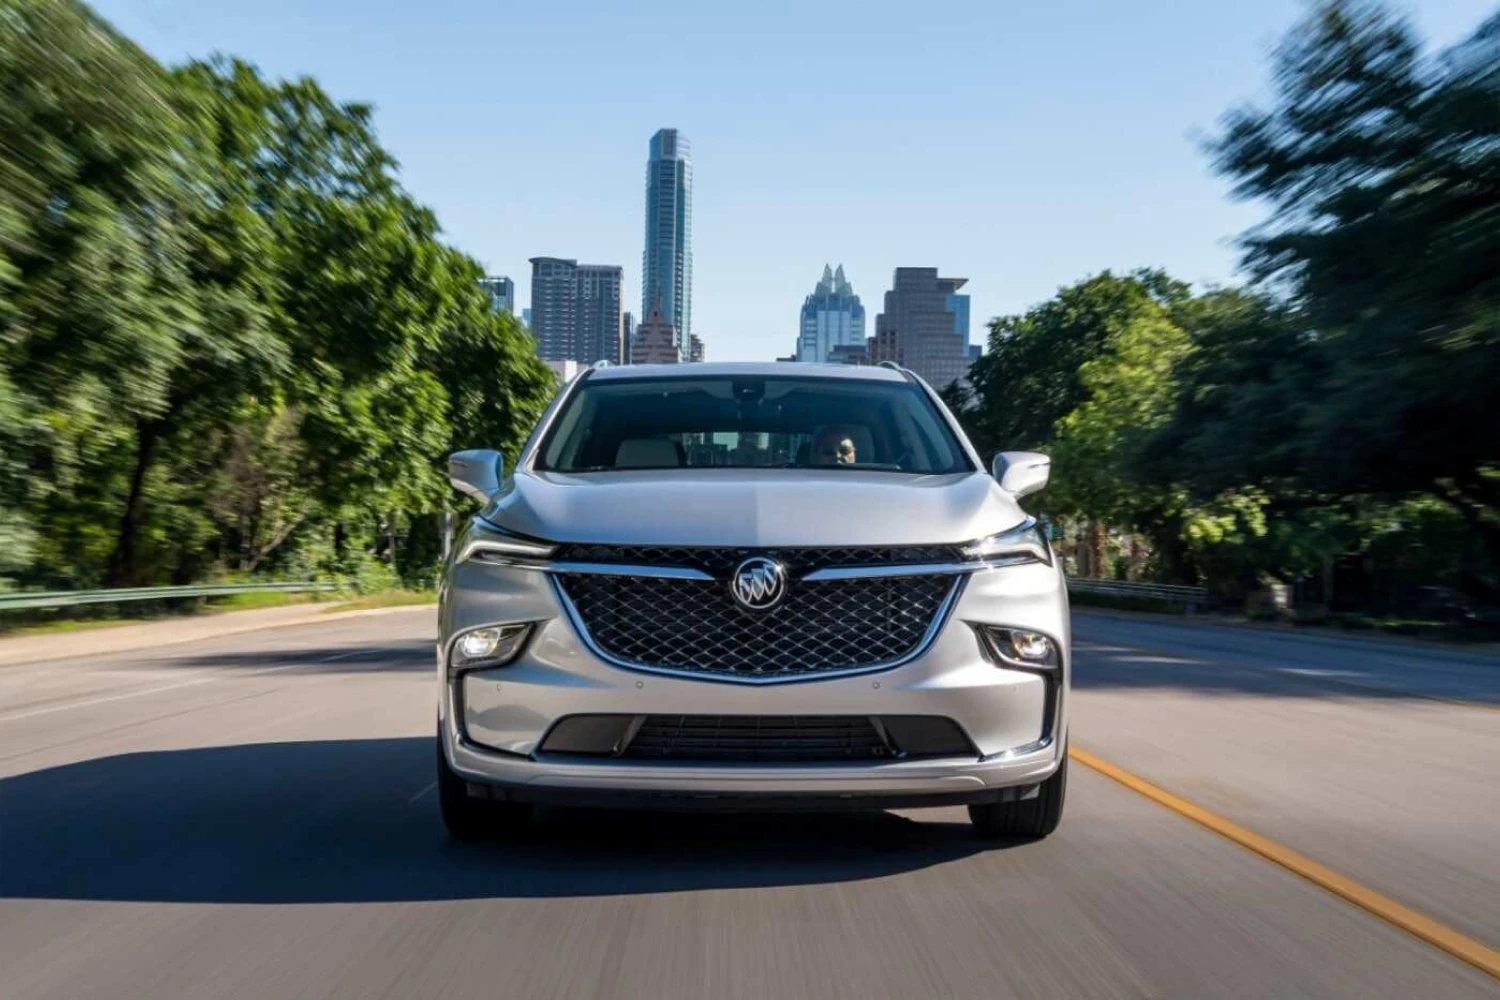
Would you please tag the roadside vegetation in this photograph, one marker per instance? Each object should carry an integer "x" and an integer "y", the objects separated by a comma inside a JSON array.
[
  {"x": 1331, "y": 429},
  {"x": 230, "y": 342}
]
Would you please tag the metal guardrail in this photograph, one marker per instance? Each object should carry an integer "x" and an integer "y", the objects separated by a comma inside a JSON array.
[
  {"x": 73, "y": 598},
  {"x": 1191, "y": 597}
]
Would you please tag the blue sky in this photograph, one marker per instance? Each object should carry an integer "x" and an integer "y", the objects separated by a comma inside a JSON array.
[{"x": 1019, "y": 144}]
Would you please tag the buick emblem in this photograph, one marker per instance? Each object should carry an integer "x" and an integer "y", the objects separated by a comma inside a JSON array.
[{"x": 758, "y": 583}]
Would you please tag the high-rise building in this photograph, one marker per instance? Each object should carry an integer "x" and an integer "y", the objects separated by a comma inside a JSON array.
[
  {"x": 628, "y": 331},
  {"x": 526, "y": 318},
  {"x": 598, "y": 312},
  {"x": 502, "y": 292},
  {"x": 655, "y": 342},
  {"x": 832, "y": 316},
  {"x": 667, "y": 262},
  {"x": 575, "y": 310},
  {"x": 696, "y": 350},
  {"x": 925, "y": 326}
]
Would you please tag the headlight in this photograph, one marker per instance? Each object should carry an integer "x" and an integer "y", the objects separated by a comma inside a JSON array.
[
  {"x": 487, "y": 543},
  {"x": 490, "y": 646},
  {"x": 1025, "y": 543}
]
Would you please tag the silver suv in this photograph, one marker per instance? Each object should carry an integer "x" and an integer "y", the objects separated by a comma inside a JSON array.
[{"x": 754, "y": 586}]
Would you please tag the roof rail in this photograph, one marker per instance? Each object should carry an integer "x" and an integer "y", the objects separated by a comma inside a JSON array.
[{"x": 905, "y": 373}]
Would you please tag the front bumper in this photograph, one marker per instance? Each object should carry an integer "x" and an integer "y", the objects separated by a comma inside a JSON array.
[{"x": 494, "y": 721}]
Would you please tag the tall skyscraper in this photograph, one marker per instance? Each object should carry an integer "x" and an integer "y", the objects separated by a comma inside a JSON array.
[
  {"x": 502, "y": 292},
  {"x": 667, "y": 263},
  {"x": 925, "y": 326},
  {"x": 832, "y": 316},
  {"x": 696, "y": 350},
  {"x": 575, "y": 310}
]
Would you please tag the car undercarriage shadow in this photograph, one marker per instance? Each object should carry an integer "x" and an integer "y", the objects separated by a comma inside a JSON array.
[{"x": 356, "y": 820}]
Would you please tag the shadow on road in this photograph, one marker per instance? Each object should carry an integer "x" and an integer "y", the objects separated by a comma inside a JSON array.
[
  {"x": 334, "y": 821},
  {"x": 415, "y": 655}
]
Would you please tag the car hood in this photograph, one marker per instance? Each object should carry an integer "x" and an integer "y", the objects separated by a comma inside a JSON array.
[{"x": 754, "y": 508}]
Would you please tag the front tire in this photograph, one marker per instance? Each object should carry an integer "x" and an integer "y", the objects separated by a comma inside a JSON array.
[
  {"x": 468, "y": 818},
  {"x": 1027, "y": 819}
]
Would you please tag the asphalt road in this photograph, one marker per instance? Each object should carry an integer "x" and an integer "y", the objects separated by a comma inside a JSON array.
[{"x": 253, "y": 816}]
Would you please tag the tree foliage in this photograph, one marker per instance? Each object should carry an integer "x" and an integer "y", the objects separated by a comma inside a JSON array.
[
  {"x": 1326, "y": 410},
  {"x": 226, "y": 332}
]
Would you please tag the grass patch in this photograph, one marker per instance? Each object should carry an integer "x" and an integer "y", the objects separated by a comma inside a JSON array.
[
  {"x": 265, "y": 599},
  {"x": 386, "y": 599}
]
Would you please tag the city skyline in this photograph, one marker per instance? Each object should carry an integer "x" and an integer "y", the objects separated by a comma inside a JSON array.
[{"x": 1081, "y": 147}]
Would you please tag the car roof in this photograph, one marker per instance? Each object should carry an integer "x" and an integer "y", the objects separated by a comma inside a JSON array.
[{"x": 785, "y": 369}]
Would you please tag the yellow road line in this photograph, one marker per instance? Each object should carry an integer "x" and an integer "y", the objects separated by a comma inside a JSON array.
[{"x": 1445, "y": 938}]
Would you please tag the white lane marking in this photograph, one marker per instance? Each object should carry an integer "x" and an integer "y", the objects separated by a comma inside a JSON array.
[{"x": 421, "y": 792}]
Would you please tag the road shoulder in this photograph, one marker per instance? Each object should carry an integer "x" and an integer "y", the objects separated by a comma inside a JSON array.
[{"x": 170, "y": 632}]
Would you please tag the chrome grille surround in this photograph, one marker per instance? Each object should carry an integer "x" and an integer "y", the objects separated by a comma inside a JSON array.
[
  {"x": 720, "y": 561},
  {"x": 689, "y": 625}
]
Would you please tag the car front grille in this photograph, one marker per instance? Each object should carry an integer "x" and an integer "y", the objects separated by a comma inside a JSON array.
[
  {"x": 783, "y": 738},
  {"x": 819, "y": 627},
  {"x": 788, "y": 739}
]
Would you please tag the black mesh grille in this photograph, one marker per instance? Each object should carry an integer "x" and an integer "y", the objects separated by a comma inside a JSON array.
[
  {"x": 757, "y": 738},
  {"x": 696, "y": 625},
  {"x": 720, "y": 562}
]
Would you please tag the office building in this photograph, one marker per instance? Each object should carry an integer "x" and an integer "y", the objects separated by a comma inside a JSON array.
[
  {"x": 655, "y": 342},
  {"x": 502, "y": 292},
  {"x": 627, "y": 330},
  {"x": 696, "y": 350},
  {"x": 832, "y": 316},
  {"x": 599, "y": 319},
  {"x": 575, "y": 310},
  {"x": 925, "y": 326},
  {"x": 667, "y": 262},
  {"x": 849, "y": 354}
]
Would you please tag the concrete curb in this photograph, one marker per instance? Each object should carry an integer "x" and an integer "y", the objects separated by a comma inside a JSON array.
[{"x": 152, "y": 635}]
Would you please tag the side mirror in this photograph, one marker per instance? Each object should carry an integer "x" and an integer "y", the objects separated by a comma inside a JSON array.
[
  {"x": 1021, "y": 473},
  {"x": 476, "y": 473}
]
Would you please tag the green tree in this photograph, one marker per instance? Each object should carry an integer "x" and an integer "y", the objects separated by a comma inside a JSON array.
[
  {"x": 1382, "y": 167},
  {"x": 100, "y": 301}
]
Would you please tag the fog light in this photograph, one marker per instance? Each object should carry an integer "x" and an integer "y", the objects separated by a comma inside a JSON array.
[
  {"x": 1020, "y": 648},
  {"x": 1031, "y": 646},
  {"x": 491, "y": 646}
]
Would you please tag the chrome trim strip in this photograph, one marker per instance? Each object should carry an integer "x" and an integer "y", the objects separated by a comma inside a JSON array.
[
  {"x": 624, "y": 569},
  {"x": 913, "y": 569},
  {"x": 891, "y": 569},
  {"x": 938, "y": 621},
  {"x": 509, "y": 553}
]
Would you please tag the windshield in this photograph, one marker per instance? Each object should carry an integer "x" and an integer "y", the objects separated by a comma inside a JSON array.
[{"x": 751, "y": 422}]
